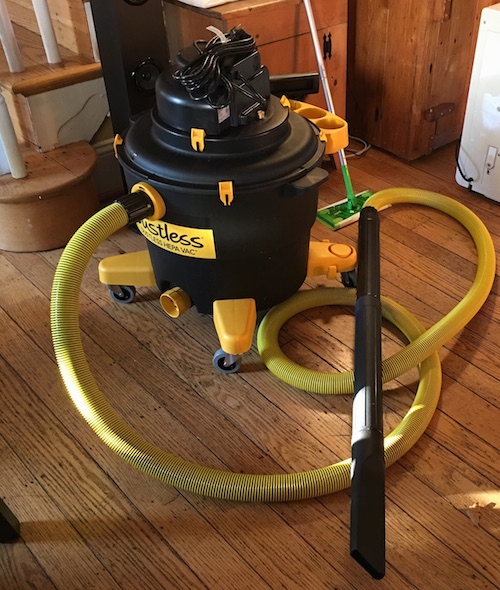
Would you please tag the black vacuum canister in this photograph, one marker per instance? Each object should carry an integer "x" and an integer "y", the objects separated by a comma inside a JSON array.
[{"x": 239, "y": 174}]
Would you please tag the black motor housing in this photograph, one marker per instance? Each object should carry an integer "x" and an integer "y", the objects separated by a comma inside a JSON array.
[{"x": 239, "y": 205}]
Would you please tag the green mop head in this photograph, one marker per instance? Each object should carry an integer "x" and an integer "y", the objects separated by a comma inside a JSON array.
[{"x": 344, "y": 212}]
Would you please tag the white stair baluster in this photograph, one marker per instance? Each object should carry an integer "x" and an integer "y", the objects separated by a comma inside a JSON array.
[
  {"x": 46, "y": 31},
  {"x": 9, "y": 42},
  {"x": 9, "y": 141},
  {"x": 92, "y": 32}
]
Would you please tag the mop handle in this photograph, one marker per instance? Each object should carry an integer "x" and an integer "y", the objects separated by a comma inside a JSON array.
[
  {"x": 319, "y": 57},
  {"x": 328, "y": 95}
]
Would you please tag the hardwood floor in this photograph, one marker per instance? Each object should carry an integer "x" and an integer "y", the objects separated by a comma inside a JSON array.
[{"x": 90, "y": 521}]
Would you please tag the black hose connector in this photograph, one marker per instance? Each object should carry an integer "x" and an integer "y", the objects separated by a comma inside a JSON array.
[{"x": 138, "y": 205}]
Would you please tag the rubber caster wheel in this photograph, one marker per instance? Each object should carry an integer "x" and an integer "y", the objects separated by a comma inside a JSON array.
[
  {"x": 126, "y": 294},
  {"x": 219, "y": 363},
  {"x": 349, "y": 279}
]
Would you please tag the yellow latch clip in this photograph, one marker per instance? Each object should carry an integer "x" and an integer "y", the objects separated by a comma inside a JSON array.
[
  {"x": 116, "y": 142},
  {"x": 198, "y": 139},
  {"x": 226, "y": 192}
]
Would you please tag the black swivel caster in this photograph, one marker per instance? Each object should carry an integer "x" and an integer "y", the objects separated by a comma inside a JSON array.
[
  {"x": 226, "y": 363},
  {"x": 349, "y": 279},
  {"x": 122, "y": 293}
]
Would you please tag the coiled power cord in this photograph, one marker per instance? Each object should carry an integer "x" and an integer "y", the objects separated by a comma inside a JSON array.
[{"x": 208, "y": 76}]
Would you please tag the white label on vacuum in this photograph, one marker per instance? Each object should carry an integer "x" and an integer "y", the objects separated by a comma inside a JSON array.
[
  {"x": 223, "y": 114},
  {"x": 185, "y": 241}
]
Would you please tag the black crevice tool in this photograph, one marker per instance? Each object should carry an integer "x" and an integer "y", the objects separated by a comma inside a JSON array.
[{"x": 368, "y": 468}]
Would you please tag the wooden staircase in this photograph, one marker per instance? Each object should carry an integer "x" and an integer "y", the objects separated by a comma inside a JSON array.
[
  {"x": 56, "y": 109},
  {"x": 27, "y": 93}
]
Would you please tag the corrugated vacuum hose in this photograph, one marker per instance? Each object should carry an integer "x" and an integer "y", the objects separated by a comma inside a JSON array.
[{"x": 191, "y": 477}]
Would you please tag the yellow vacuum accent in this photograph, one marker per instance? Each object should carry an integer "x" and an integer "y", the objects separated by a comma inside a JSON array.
[
  {"x": 234, "y": 321},
  {"x": 116, "y": 142},
  {"x": 327, "y": 259},
  {"x": 175, "y": 302},
  {"x": 160, "y": 209},
  {"x": 226, "y": 192},
  {"x": 134, "y": 268},
  {"x": 185, "y": 475},
  {"x": 198, "y": 139},
  {"x": 333, "y": 129}
]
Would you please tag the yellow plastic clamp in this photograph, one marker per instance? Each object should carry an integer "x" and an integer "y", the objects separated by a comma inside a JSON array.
[
  {"x": 329, "y": 259},
  {"x": 198, "y": 139},
  {"x": 226, "y": 194},
  {"x": 116, "y": 142}
]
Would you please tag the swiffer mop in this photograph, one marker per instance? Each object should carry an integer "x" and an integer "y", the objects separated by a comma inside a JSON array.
[{"x": 346, "y": 211}]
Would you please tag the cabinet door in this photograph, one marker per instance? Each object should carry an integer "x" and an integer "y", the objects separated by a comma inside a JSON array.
[
  {"x": 450, "y": 70},
  {"x": 409, "y": 69},
  {"x": 296, "y": 54}
]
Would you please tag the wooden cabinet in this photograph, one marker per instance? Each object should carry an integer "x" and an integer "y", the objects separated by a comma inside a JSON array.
[
  {"x": 281, "y": 30},
  {"x": 409, "y": 67}
]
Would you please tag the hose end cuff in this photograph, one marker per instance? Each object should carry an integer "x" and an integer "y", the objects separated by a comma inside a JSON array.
[{"x": 138, "y": 205}]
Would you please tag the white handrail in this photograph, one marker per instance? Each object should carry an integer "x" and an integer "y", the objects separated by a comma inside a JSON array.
[
  {"x": 46, "y": 31},
  {"x": 9, "y": 42},
  {"x": 9, "y": 141}
]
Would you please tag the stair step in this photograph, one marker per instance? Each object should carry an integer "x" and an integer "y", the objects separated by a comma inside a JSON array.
[
  {"x": 52, "y": 105},
  {"x": 64, "y": 76},
  {"x": 37, "y": 71}
]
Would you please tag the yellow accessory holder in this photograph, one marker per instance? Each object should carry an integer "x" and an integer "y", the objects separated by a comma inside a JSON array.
[{"x": 333, "y": 129}]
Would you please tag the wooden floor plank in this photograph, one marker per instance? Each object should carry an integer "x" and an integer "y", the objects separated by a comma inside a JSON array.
[
  {"x": 48, "y": 541},
  {"x": 81, "y": 504}
]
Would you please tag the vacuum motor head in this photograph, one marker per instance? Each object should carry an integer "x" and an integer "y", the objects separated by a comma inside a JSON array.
[{"x": 216, "y": 84}]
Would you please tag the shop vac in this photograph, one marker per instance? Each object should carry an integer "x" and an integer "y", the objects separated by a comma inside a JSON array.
[
  {"x": 234, "y": 176},
  {"x": 223, "y": 179}
]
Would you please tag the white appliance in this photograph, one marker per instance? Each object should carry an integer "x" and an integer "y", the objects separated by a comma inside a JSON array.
[{"x": 478, "y": 164}]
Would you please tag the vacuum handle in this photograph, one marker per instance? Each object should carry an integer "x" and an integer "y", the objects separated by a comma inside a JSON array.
[
  {"x": 313, "y": 178},
  {"x": 368, "y": 468}
]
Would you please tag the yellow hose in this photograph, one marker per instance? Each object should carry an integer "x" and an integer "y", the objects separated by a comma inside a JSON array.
[
  {"x": 185, "y": 475},
  {"x": 417, "y": 350}
]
